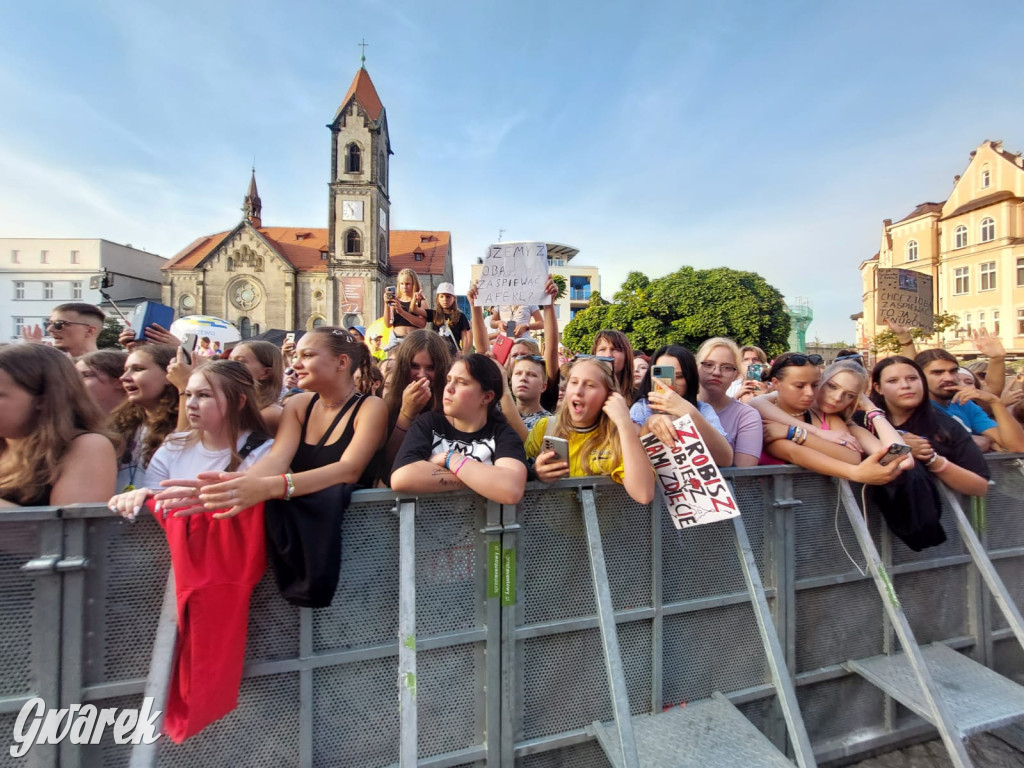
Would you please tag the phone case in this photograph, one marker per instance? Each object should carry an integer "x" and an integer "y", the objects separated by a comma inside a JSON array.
[
  {"x": 501, "y": 348},
  {"x": 560, "y": 447},
  {"x": 149, "y": 313}
]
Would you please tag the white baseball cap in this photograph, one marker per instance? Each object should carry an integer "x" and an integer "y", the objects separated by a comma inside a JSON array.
[{"x": 446, "y": 288}]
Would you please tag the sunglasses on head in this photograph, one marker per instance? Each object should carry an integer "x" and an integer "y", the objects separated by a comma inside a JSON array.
[
  {"x": 599, "y": 358},
  {"x": 797, "y": 360},
  {"x": 535, "y": 358},
  {"x": 58, "y": 325},
  {"x": 857, "y": 356}
]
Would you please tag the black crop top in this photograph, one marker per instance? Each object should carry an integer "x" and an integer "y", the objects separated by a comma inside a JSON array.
[{"x": 315, "y": 456}]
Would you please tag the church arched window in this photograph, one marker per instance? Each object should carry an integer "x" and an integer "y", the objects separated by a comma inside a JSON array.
[
  {"x": 353, "y": 159},
  {"x": 382, "y": 171},
  {"x": 353, "y": 243},
  {"x": 231, "y": 264},
  {"x": 382, "y": 252}
]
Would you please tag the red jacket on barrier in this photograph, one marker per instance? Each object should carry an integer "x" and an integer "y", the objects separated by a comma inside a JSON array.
[{"x": 217, "y": 564}]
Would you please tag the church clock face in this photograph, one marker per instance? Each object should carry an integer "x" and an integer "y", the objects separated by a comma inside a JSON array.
[
  {"x": 352, "y": 210},
  {"x": 245, "y": 295}
]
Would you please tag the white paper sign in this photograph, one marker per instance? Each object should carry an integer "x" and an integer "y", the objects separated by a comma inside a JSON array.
[
  {"x": 691, "y": 484},
  {"x": 514, "y": 274}
]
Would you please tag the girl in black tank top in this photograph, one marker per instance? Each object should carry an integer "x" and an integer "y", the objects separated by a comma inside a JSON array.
[{"x": 326, "y": 360}]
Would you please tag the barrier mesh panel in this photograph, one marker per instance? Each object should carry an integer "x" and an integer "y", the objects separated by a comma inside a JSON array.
[
  {"x": 819, "y": 549},
  {"x": 7, "y": 729},
  {"x": 1003, "y": 505},
  {"x": 365, "y": 607},
  {"x": 564, "y": 683},
  {"x": 553, "y": 557},
  {"x": 448, "y": 699},
  {"x": 355, "y": 714},
  {"x": 714, "y": 650},
  {"x": 626, "y": 539},
  {"x": 448, "y": 578},
  {"x": 837, "y": 623},
  {"x": 125, "y": 580},
  {"x": 1008, "y": 659},
  {"x": 20, "y": 544},
  {"x": 1011, "y": 571},
  {"x": 934, "y": 619},
  {"x": 586, "y": 755},
  {"x": 838, "y": 707},
  {"x": 699, "y": 561},
  {"x": 273, "y": 624},
  {"x": 754, "y": 496},
  {"x": 757, "y": 711}
]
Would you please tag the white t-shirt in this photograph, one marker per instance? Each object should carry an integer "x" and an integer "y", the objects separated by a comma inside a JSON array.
[{"x": 174, "y": 460}]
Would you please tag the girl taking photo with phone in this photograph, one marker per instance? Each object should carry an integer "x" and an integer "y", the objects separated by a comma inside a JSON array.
[
  {"x": 405, "y": 312},
  {"x": 669, "y": 391},
  {"x": 470, "y": 444},
  {"x": 593, "y": 420}
]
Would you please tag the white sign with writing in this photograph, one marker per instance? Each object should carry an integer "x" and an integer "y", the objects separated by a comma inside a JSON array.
[
  {"x": 691, "y": 484},
  {"x": 514, "y": 274}
]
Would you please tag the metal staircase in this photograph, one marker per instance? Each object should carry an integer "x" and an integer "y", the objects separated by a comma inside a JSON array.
[
  {"x": 708, "y": 732},
  {"x": 956, "y": 694}
]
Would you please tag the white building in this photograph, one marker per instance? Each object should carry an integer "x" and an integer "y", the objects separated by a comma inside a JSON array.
[{"x": 37, "y": 274}]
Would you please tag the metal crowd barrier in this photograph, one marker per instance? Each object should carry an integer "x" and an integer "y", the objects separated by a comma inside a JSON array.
[{"x": 501, "y": 660}]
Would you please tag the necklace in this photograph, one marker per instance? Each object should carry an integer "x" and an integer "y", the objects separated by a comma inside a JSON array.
[{"x": 340, "y": 403}]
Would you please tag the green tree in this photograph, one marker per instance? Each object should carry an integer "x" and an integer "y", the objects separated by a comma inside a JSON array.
[
  {"x": 108, "y": 336},
  {"x": 686, "y": 307}
]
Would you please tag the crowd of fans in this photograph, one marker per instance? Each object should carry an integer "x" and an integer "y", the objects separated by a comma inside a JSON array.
[{"x": 225, "y": 430}]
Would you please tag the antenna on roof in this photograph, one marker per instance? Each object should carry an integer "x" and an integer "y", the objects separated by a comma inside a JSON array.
[
  {"x": 500, "y": 233},
  {"x": 363, "y": 58}
]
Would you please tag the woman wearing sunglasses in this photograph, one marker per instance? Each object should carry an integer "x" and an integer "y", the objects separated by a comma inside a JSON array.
[
  {"x": 659, "y": 404},
  {"x": 788, "y": 440}
]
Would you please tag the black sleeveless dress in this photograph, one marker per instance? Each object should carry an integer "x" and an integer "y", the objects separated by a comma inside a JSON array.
[{"x": 315, "y": 456}]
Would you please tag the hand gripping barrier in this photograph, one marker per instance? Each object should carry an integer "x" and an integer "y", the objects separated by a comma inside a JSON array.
[{"x": 467, "y": 633}]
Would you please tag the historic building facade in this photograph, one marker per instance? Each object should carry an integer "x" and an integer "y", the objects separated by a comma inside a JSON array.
[
  {"x": 299, "y": 277},
  {"x": 972, "y": 245}
]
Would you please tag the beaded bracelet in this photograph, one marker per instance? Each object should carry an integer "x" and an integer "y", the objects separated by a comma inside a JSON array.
[
  {"x": 801, "y": 436},
  {"x": 289, "y": 486},
  {"x": 932, "y": 460}
]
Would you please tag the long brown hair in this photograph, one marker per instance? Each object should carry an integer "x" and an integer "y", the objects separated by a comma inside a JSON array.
[
  {"x": 619, "y": 340},
  {"x": 235, "y": 383},
  {"x": 605, "y": 437},
  {"x": 340, "y": 342},
  {"x": 126, "y": 419},
  {"x": 65, "y": 412},
  {"x": 400, "y": 373},
  {"x": 268, "y": 389}
]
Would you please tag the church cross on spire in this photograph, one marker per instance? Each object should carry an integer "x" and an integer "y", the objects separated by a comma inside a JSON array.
[{"x": 363, "y": 57}]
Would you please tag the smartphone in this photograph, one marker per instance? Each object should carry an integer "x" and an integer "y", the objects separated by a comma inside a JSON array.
[
  {"x": 390, "y": 291},
  {"x": 665, "y": 373},
  {"x": 755, "y": 371},
  {"x": 557, "y": 444},
  {"x": 896, "y": 452},
  {"x": 501, "y": 348},
  {"x": 510, "y": 328},
  {"x": 188, "y": 346}
]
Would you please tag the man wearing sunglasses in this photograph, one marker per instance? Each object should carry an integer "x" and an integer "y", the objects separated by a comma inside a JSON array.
[{"x": 75, "y": 327}]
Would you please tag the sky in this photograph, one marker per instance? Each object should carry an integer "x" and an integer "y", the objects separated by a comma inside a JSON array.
[{"x": 772, "y": 137}]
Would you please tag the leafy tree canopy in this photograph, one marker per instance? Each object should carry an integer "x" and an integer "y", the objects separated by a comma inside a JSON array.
[
  {"x": 107, "y": 337},
  {"x": 887, "y": 341},
  {"x": 687, "y": 307}
]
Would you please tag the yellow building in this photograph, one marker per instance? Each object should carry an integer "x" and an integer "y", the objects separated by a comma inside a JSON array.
[{"x": 973, "y": 247}]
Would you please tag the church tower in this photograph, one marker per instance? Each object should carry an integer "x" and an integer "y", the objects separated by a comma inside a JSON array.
[
  {"x": 358, "y": 204},
  {"x": 252, "y": 205}
]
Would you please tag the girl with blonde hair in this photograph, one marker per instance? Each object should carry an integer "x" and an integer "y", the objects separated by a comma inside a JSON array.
[
  {"x": 266, "y": 364},
  {"x": 718, "y": 366},
  {"x": 52, "y": 446},
  {"x": 594, "y": 419},
  {"x": 405, "y": 311}
]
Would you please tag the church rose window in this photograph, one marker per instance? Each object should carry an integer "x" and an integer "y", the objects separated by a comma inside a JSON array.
[{"x": 245, "y": 295}]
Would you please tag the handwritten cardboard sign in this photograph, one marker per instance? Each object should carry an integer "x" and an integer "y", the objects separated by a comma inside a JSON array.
[
  {"x": 514, "y": 274},
  {"x": 905, "y": 298},
  {"x": 691, "y": 484}
]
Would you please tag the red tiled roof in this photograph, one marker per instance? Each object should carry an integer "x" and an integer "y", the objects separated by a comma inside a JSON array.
[
  {"x": 406, "y": 243},
  {"x": 302, "y": 248},
  {"x": 362, "y": 88},
  {"x": 921, "y": 210}
]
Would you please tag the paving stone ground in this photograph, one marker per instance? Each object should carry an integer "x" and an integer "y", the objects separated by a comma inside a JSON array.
[{"x": 986, "y": 751}]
